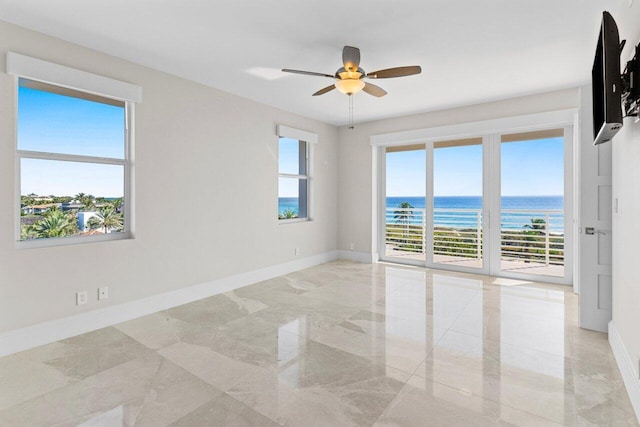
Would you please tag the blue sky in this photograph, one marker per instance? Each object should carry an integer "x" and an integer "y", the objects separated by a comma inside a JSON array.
[
  {"x": 60, "y": 124},
  {"x": 288, "y": 152},
  {"x": 528, "y": 168}
]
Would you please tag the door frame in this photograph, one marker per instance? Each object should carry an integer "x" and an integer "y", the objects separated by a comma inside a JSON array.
[{"x": 490, "y": 131}]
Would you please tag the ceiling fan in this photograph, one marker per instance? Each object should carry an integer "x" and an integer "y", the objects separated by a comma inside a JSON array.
[{"x": 349, "y": 78}]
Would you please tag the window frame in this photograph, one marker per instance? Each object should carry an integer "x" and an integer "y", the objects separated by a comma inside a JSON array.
[
  {"x": 309, "y": 139},
  {"x": 23, "y": 67}
]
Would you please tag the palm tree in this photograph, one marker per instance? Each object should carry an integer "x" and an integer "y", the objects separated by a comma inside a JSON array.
[
  {"x": 288, "y": 214},
  {"x": 117, "y": 203},
  {"x": 27, "y": 232},
  {"x": 54, "y": 224},
  {"x": 537, "y": 226},
  {"x": 403, "y": 216},
  {"x": 87, "y": 201},
  {"x": 94, "y": 223},
  {"x": 109, "y": 219}
]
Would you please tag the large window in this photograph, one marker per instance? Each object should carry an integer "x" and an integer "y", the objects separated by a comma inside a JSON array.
[
  {"x": 294, "y": 177},
  {"x": 73, "y": 156}
]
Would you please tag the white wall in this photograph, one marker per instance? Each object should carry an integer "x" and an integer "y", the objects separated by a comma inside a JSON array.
[
  {"x": 626, "y": 235},
  {"x": 626, "y": 222},
  {"x": 205, "y": 194},
  {"x": 355, "y": 154}
]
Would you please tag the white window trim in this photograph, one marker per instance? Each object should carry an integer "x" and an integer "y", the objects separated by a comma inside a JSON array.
[
  {"x": 299, "y": 134},
  {"x": 530, "y": 122},
  {"x": 59, "y": 75},
  {"x": 311, "y": 139},
  {"x": 21, "y": 66}
]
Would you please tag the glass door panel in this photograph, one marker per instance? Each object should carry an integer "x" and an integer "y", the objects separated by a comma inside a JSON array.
[
  {"x": 458, "y": 203},
  {"x": 532, "y": 203},
  {"x": 405, "y": 226}
]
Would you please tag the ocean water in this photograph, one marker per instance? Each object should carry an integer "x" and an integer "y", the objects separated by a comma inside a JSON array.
[
  {"x": 445, "y": 216},
  {"x": 469, "y": 219},
  {"x": 475, "y": 202},
  {"x": 287, "y": 203}
]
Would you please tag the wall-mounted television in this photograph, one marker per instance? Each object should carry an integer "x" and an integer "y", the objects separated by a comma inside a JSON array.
[{"x": 606, "y": 82}]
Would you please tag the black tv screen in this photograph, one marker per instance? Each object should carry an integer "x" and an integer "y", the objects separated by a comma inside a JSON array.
[{"x": 606, "y": 82}]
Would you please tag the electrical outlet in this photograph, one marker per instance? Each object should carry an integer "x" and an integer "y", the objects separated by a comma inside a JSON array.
[
  {"x": 296, "y": 251},
  {"x": 352, "y": 246},
  {"x": 103, "y": 293},
  {"x": 82, "y": 297}
]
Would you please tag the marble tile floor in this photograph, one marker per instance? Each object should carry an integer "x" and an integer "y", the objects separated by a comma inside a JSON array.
[{"x": 340, "y": 344}]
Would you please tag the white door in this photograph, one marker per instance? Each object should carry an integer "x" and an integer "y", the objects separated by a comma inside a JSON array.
[{"x": 594, "y": 271}]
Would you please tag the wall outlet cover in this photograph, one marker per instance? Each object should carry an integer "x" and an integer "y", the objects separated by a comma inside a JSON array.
[
  {"x": 82, "y": 297},
  {"x": 103, "y": 293}
]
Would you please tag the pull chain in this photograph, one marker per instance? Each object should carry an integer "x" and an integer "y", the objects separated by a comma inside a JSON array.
[{"x": 351, "y": 112}]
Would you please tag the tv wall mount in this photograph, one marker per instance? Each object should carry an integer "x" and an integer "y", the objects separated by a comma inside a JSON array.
[{"x": 631, "y": 85}]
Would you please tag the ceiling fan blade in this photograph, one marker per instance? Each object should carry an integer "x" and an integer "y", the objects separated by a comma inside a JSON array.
[
  {"x": 351, "y": 58},
  {"x": 395, "y": 72},
  {"x": 374, "y": 90},
  {"x": 307, "y": 73},
  {"x": 324, "y": 90}
]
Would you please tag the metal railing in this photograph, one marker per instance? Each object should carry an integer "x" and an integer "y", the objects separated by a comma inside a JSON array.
[
  {"x": 457, "y": 232},
  {"x": 529, "y": 236},
  {"x": 406, "y": 230},
  {"x": 532, "y": 236}
]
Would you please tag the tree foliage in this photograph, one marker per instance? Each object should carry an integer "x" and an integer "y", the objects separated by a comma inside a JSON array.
[
  {"x": 404, "y": 213},
  {"x": 54, "y": 223},
  {"x": 288, "y": 214},
  {"x": 87, "y": 201},
  {"x": 107, "y": 218}
]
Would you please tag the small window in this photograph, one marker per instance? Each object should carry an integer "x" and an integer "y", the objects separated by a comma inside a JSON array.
[
  {"x": 73, "y": 163},
  {"x": 293, "y": 183}
]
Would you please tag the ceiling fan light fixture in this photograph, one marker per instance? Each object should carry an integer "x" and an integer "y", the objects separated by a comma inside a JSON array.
[
  {"x": 350, "y": 74},
  {"x": 350, "y": 86}
]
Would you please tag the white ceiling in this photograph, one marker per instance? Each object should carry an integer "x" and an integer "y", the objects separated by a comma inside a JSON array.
[{"x": 470, "y": 51}]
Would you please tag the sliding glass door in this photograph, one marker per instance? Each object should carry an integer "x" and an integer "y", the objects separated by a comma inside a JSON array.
[
  {"x": 457, "y": 203},
  {"x": 532, "y": 203},
  {"x": 496, "y": 204},
  {"x": 404, "y": 205}
]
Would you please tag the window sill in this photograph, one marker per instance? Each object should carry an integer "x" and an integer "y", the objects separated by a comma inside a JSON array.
[
  {"x": 74, "y": 240},
  {"x": 293, "y": 220}
]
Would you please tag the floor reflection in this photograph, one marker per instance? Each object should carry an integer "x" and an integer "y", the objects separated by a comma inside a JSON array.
[{"x": 337, "y": 344}]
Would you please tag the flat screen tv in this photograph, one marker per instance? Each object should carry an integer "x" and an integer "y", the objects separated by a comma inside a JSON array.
[{"x": 606, "y": 83}]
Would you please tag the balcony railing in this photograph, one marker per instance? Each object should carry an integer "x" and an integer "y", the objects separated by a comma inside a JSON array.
[
  {"x": 406, "y": 230},
  {"x": 457, "y": 233},
  {"x": 527, "y": 236},
  {"x": 533, "y": 236}
]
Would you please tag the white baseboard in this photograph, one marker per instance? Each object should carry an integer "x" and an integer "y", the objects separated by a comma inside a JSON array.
[
  {"x": 362, "y": 257},
  {"x": 55, "y": 330},
  {"x": 627, "y": 368}
]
